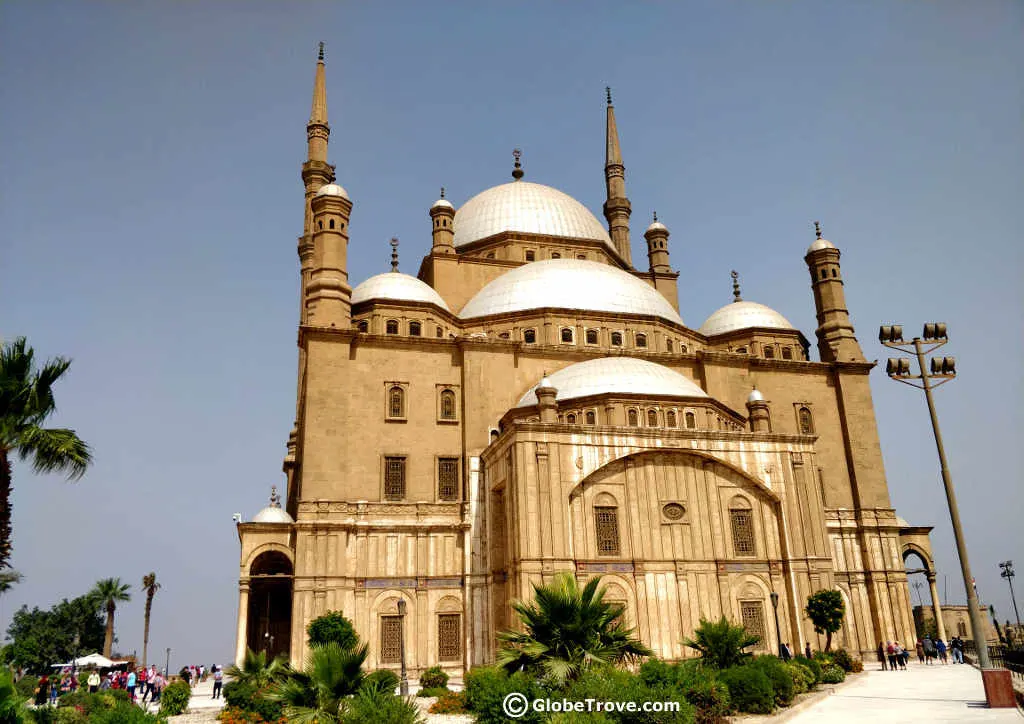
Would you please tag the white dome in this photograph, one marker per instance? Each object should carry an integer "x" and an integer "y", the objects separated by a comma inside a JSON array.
[
  {"x": 820, "y": 244},
  {"x": 656, "y": 226},
  {"x": 743, "y": 315},
  {"x": 569, "y": 284},
  {"x": 332, "y": 190},
  {"x": 273, "y": 514},
  {"x": 619, "y": 375},
  {"x": 529, "y": 208},
  {"x": 442, "y": 204},
  {"x": 755, "y": 396},
  {"x": 401, "y": 287}
]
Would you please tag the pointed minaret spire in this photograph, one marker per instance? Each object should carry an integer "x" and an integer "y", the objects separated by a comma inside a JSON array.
[
  {"x": 517, "y": 171},
  {"x": 394, "y": 253},
  {"x": 616, "y": 208},
  {"x": 318, "y": 129},
  {"x": 735, "y": 286}
]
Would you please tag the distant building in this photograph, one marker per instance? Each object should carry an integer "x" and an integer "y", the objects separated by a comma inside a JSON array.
[{"x": 957, "y": 622}]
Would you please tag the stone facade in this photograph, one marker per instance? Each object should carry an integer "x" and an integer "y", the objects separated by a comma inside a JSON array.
[
  {"x": 956, "y": 620},
  {"x": 415, "y": 474}
]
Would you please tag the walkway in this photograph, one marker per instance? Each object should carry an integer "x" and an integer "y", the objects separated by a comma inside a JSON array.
[{"x": 937, "y": 693}]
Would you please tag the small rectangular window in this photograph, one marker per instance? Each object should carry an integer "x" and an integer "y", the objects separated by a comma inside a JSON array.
[
  {"x": 448, "y": 478},
  {"x": 752, "y": 618},
  {"x": 390, "y": 639},
  {"x": 606, "y": 520},
  {"x": 394, "y": 478},
  {"x": 529, "y": 336},
  {"x": 591, "y": 336},
  {"x": 742, "y": 532},
  {"x": 449, "y": 637},
  {"x": 616, "y": 339},
  {"x": 530, "y": 255}
]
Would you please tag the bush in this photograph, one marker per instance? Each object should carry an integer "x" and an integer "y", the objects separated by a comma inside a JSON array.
[
  {"x": 750, "y": 689},
  {"x": 124, "y": 714},
  {"x": 778, "y": 674},
  {"x": 606, "y": 684},
  {"x": 858, "y": 666},
  {"x": 245, "y": 697},
  {"x": 26, "y": 686},
  {"x": 332, "y": 626},
  {"x": 431, "y": 691},
  {"x": 434, "y": 678},
  {"x": 592, "y": 717},
  {"x": 801, "y": 677},
  {"x": 450, "y": 702},
  {"x": 720, "y": 643},
  {"x": 174, "y": 698},
  {"x": 813, "y": 666},
  {"x": 71, "y": 715},
  {"x": 486, "y": 688},
  {"x": 832, "y": 674},
  {"x": 43, "y": 715},
  {"x": 696, "y": 682},
  {"x": 380, "y": 707},
  {"x": 842, "y": 659},
  {"x": 382, "y": 679}
]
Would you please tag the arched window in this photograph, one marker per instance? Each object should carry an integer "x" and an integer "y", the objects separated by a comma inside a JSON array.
[
  {"x": 682, "y": 349},
  {"x": 769, "y": 352},
  {"x": 691, "y": 420},
  {"x": 824, "y": 273},
  {"x": 447, "y": 405},
  {"x": 581, "y": 256},
  {"x": 670, "y": 418},
  {"x": 787, "y": 353},
  {"x": 741, "y": 520},
  {"x": 392, "y": 326},
  {"x": 530, "y": 256},
  {"x": 505, "y": 335},
  {"x": 806, "y": 421},
  {"x": 835, "y": 272},
  {"x": 567, "y": 335},
  {"x": 591, "y": 336},
  {"x": 652, "y": 418},
  {"x": 641, "y": 340},
  {"x": 396, "y": 402},
  {"x": 415, "y": 329},
  {"x": 668, "y": 345},
  {"x": 591, "y": 418},
  {"x": 439, "y": 331},
  {"x": 320, "y": 224},
  {"x": 961, "y": 629},
  {"x": 490, "y": 255},
  {"x": 606, "y": 523},
  {"x": 633, "y": 418},
  {"x": 555, "y": 255},
  {"x": 364, "y": 326},
  {"x": 529, "y": 336},
  {"x": 570, "y": 419},
  {"x": 616, "y": 339},
  {"x": 331, "y": 223},
  {"x": 741, "y": 350}
]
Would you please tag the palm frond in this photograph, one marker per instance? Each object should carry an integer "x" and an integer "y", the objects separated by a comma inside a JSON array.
[{"x": 53, "y": 450}]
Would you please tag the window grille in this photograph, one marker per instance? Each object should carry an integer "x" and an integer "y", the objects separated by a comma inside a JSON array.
[
  {"x": 530, "y": 255},
  {"x": 364, "y": 326},
  {"x": 652, "y": 418},
  {"x": 448, "y": 478},
  {"x": 607, "y": 521},
  {"x": 691, "y": 420},
  {"x": 787, "y": 353},
  {"x": 670, "y": 418},
  {"x": 555, "y": 255},
  {"x": 392, "y": 326},
  {"x": 668, "y": 345},
  {"x": 742, "y": 532},
  {"x": 616, "y": 339},
  {"x": 415, "y": 329},
  {"x": 570, "y": 418},
  {"x": 438, "y": 331},
  {"x": 769, "y": 352},
  {"x": 591, "y": 336},
  {"x": 806, "y": 422},
  {"x": 633, "y": 419},
  {"x": 641, "y": 340},
  {"x": 449, "y": 637},
  {"x": 567, "y": 335},
  {"x": 530, "y": 336},
  {"x": 394, "y": 478},
  {"x": 390, "y": 639},
  {"x": 752, "y": 618},
  {"x": 447, "y": 405},
  {"x": 396, "y": 402},
  {"x": 591, "y": 417}
]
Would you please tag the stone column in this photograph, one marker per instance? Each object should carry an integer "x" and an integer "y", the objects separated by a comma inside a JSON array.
[
  {"x": 937, "y": 610},
  {"x": 243, "y": 623}
]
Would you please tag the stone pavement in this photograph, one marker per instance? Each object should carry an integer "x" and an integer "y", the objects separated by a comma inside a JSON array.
[{"x": 937, "y": 693}]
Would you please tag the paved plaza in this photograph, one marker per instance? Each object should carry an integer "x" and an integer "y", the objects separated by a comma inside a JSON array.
[{"x": 951, "y": 693}]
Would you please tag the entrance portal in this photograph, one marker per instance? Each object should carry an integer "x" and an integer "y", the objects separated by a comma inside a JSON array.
[{"x": 270, "y": 604}]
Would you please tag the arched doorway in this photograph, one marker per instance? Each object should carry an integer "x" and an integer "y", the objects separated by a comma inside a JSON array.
[
  {"x": 919, "y": 564},
  {"x": 270, "y": 604}
]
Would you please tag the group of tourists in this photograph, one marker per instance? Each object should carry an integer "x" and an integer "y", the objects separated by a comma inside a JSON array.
[
  {"x": 142, "y": 684},
  {"x": 193, "y": 674},
  {"x": 892, "y": 656},
  {"x": 786, "y": 653}
]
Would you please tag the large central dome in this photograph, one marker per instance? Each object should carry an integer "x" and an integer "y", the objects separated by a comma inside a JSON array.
[
  {"x": 569, "y": 284},
  {"x": 529, "y": 208}
]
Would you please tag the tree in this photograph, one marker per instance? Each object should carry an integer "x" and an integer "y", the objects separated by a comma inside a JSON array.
[
  {"x": 40, "y": 638},
  {"x": 721, "y": 644},
  {"x": 567, "y": 630},
  {"x": 110, "y": 591},
  {"x": 332, "y": 626},
  {"x": 318, "y": 692},
  {"x": 255, "y": 670},
  {"x": 26, "y": 400},
  {"x": 826, "y": 609},
  {"x": 7, "y": 580},
  {"x": 150, "y": 586}
]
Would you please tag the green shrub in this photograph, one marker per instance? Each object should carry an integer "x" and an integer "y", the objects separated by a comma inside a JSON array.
[
  {"x": 71, "y": 715},
  {"x": 592, "y": 717},
  {"x": 778, "y": 674},
  {"x": 381, "y": 707},
  {"x": 123, "y": 714},
  {"x": 434, "y": 678},
  {"x": 26, "y": 686},
  {"x": 174, "y": 698},
  {"x": 843, "y": 660},
  {"x": 655, "y": 672},
  {"x": 382, "y": 679},
  {"x": 43, "y": 715},
  {"x": 750, "y": 689},
  {"x": 450, "y": 702},
  {"x": 486, "y": 688},
  {"x": 697, "y": 683},
  {"x": 332, "y": 626},
  {"x": 431, "y": 691},
  {"x": 721, "y": 644},
  {"x": 244, "y": 696},
  {"x": 813, "y": 666},
  {"x": 607, "y": 684},
  {"x": 832, "y": 674},
  {"x": 803, "y": 677}
]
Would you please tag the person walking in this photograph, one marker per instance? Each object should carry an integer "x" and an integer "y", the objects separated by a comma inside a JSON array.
[
  {"x": 186, "y": 675},
  {"x": 929, "y": 650},
  {"x": 218, "y": 681},
  {"x": 93, "y": 681},
  {"x": 42, "y": 690},
  {"x": 890, "y": 653},
  {"x": 881, "y": 655},
  {"x": 807, "y": 649},
  {"x": 901, "y": 655},
  {"x": 919, "y": 648},
  {"x": 958, "y": 650},
  {"x": 940, "y": 646},
  {"x": 130, "y": 685}
]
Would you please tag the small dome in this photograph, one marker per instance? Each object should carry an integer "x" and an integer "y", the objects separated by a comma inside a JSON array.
[
  {"x": 655, "y": 226},
  {"x": 570, "y": 284},
  {"x": 529, "y": 208},
  {"x": 443, "y": 204},
  {"x": 397, "y": 286},
  {"x": 743, "y": 315},
  {"x": 619, "y": 375},
  {"x": 545, "y": 382},
  {"x": 332, "y": 190},
  {"x": 820, "y": 244},
  {"x": 273, "y": 514},
  {"x": 755, "y": 396}
]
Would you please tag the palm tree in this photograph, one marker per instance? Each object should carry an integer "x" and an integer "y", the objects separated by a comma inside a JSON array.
[
  {"x": 318, "y": 692},
  {"x": 567, "y": 630},
  {"x": 150, "y": 586},
  {"x": 26, "y": 400},
  {"x": 256, "y": 671},
  {"x": 720, "y": 644},
  {"x": 8, "y": 579},
  {"x": 109, "y": 592}
]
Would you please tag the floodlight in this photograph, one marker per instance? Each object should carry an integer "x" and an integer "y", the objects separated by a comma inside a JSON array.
[
  {"x": 944, "y": 366},
  {"x": 896, "y": 367},
  {"x": 890, "y": 333},
  {"x": 934, "y": 331}
]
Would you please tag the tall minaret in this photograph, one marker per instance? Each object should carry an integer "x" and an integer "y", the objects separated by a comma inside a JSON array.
[
  {"x": 616, "y": 207},
  {"x": 836, "y": 339}
]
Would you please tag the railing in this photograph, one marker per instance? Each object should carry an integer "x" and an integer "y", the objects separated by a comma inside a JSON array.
[{"x": 1001, "y": 656}]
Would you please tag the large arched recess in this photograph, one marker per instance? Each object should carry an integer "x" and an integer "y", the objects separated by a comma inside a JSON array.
[{"x": 270, "y": 603}]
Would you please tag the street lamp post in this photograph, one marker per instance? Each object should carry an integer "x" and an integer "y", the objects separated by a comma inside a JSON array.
[
  {"x": 943, "y": 368},
  {"x": 778, "y": 633},
  {"x": 403, "y": 686},
  {"x": 1008, "y": 574},
  {"x": 167, "y": 664}
]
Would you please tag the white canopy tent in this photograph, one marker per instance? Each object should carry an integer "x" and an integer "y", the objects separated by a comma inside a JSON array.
[{"x": 98, "y": 661}]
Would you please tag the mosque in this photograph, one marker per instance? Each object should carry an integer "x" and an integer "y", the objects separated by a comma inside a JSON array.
[{"x": 531, "y": 402}]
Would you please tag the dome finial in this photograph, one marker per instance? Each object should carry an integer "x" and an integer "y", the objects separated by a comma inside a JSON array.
[
  {"x": 608, "y": 93},
  {"x": 275, "y": 499},
  {"x": 320, "y": 55},
  {"x": 517, "y": 172},
  {"x": 442, "y": 192},
  {"x": 735, "y": 286},
  {"x": 394, "y": 253},
  {"x": 655, "y": 215},
  {"x": 817, "y": 229}
]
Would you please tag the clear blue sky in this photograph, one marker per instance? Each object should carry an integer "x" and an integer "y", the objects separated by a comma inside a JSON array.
[{"x": 150, "y": 202}]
